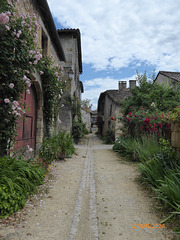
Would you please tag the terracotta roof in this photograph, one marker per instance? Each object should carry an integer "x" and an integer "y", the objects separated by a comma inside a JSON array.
[
  {"x": 173, "y": 75},
  {"x": 76, "y": 33}
]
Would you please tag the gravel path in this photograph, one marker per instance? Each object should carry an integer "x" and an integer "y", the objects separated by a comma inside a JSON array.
[{"x": 91, "y": 196}]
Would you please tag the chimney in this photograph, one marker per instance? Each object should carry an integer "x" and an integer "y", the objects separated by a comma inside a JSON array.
[
  {"x": 122, "y": 85},
  {"x": 132, "y": 84}
]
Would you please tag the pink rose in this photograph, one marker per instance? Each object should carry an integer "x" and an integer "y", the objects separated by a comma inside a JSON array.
[
  {"x": 25, "y": 78},
  {"x": 8, "y": 13},
  {"x": 4, "y": 18},
  {"x": 28, "y": 83},
  {"x": 15, "y": 103},
  {"x": 11, "y": 85},
  {"x": 6, "y": 100}
]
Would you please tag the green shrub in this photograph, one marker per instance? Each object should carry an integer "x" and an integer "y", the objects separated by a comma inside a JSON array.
[
  {"x": 109, "y": 137},
  {"x": 78, "y": 129},
  {"x": 18, "y": 179},
  {"x": 168, "y": 189},
  {"x": 137, "y": 149},
  {"x": 53, "y": 147}
]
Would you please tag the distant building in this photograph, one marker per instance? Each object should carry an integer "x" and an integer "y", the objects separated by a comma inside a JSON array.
[
  {"x": 86, "y": 117},
  {"x": 168, "y": 78},
  {"x": 94, "y": 117},
  {"x": 70, "y": 40},
  {"x": 109, "y": 108}
]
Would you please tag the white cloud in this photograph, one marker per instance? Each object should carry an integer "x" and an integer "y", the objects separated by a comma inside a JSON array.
[{"x": 115, "y": 32}]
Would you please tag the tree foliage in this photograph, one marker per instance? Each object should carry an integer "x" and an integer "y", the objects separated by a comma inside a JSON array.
[{"x": 147, "y": 91}]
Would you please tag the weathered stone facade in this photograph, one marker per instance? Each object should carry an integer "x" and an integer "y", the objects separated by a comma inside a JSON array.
[
  {"x": 168, "y": 78},
  {"x": 48, "y": 41},
  {"x": 109, "y": 108},
  {"x": 71, "y": 42},
  {"x": 86, "y": 118}
]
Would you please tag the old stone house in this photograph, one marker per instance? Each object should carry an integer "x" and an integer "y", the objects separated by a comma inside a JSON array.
[
  {"x": 109, "y": 108},
  {"x": 168, "y": 78},
  {"x": 30, "y": 130},
  {"x": 70, "y": 40}
]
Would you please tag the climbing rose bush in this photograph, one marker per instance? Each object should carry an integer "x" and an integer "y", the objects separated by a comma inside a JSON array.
[{"x": 19, "y": 59}]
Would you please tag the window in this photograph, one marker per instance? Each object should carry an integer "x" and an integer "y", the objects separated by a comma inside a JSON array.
[{"x": 44, "y": 43}]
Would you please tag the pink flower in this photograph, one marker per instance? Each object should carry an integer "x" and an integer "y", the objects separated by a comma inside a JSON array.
[
  {"x": 7, "y": 27},
  {"x": 28, "y": 83},
  {"x": 35, "y": 62},
  {"x": 41, "y": 72},
  {"x": 15, "y": 103},
  {"x": 9, "y": 2},
  {"x": 11, "y": 85},
  {"x": 18, "y": 34},
  {"x": 28, "y": 91},
  {"x": 4, "y": 18},
  {"x": 59, "y": 96},
  {"x": 8, "y": 13},
  {"x": 25, "y": 78},
  {"x": 6, "y": 100}
]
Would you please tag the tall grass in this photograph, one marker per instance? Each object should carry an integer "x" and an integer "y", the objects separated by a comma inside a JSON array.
[
  {"x": 159, "y": 166},
  {"x": 137, "y": 149}
]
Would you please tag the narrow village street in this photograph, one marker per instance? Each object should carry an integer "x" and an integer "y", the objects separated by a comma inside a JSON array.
[{"x": 93, "y": 195}]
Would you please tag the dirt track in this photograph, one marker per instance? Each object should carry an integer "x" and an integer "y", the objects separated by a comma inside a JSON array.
[{"x": 93, "y": 195}]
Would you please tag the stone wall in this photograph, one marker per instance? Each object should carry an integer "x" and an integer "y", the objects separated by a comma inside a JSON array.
[
  {"x": 86, "y": 118},
  {"x": 27, "y": 7}
]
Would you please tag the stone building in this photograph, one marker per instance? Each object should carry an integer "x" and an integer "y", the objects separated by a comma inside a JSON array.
[
  {"x": 109, "y": 108},
  {"x": 86, "y": 117},
  {"x": 30, "y": 131},
  {"x": 70, "y": 40},
  {"x": 168, "y": 78}
]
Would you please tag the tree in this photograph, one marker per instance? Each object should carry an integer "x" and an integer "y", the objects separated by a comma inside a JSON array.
[{"x": 164, "y": 98}]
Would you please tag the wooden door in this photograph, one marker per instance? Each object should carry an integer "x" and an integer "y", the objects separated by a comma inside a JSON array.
[{"x": 26, "y": 128}]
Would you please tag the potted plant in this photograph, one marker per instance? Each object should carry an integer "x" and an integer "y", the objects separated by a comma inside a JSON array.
[{"x": 65, "y": 143}]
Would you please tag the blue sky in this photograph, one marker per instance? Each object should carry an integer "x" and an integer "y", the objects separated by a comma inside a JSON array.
[{"x": 119, "y": 37}]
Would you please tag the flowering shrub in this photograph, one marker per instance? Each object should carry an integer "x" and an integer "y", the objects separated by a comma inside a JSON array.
[
  {"x": 144, "y": 121},
  {"x": 19, "y": 59},
  {"x": 174, "y": 115},
  {"x": 53, "y": 86}
]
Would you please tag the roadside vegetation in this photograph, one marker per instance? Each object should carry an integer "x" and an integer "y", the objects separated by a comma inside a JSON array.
[
  {"x": 21, "y": 173},
  {"x": 147, "y": 117}
]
